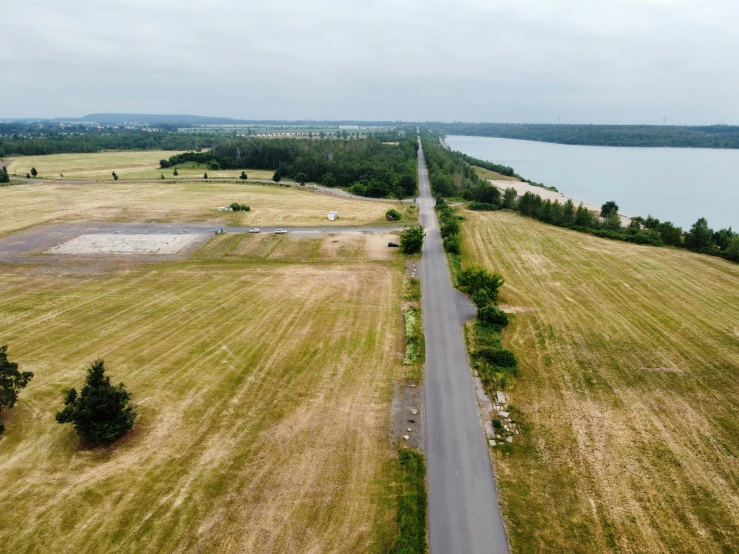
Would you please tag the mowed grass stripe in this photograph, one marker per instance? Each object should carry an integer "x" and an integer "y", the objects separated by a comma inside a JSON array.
[
  {"x": 628, "y": 384},
  {"x": 263, "y": 408}
]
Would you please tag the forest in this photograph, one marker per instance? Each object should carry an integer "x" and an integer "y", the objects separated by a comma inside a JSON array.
[
  {"x": 711, "y": 136},
  {"x": 17, "y": 139},
  {"x": 366, "y": 167}
]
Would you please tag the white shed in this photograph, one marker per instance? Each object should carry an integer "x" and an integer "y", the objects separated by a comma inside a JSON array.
[{"x": 333, "y": 216}]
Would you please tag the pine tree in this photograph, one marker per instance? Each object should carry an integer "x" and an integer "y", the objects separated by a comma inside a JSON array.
[
  {"x": 101, "y": 412},
  {"x": 4, "y": 177},
  {"x": 34, "y": 172},
  {"x": 243, "y": 176},
  {"x": 11, "y": 381},
  {"x": 115, "y": 177}
]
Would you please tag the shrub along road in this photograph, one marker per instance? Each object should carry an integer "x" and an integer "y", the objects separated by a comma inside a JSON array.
[{"x": 464, "y": 515}]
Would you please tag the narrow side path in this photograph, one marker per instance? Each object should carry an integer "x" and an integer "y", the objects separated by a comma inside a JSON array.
[{"x": 464, "y": 515}]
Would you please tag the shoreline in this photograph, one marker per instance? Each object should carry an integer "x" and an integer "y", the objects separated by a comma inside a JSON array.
[{"x": 522, "y": 188}]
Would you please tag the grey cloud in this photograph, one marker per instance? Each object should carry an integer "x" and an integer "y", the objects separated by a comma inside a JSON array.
[{"x": 529, "y": 60}]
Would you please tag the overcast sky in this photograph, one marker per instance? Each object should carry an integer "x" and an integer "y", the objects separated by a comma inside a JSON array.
[{"x": 586, "y": 61}]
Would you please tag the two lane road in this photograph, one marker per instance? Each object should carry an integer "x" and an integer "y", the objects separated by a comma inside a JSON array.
[{"x": 464, "y": 516}]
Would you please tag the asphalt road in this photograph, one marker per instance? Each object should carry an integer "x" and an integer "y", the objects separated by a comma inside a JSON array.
[{"x": 464, "y": 515}]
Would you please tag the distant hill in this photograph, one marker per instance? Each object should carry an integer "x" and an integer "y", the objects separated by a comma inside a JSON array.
[
  {"x": 185, "y": 119},
  {"x": 120, "y": 118}
]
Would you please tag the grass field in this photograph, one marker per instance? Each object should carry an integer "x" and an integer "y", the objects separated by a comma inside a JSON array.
[
  {"x": 492, "y": 175},
  {"x": 263, "y": 395},
  {"x": 127, "y": 165},
  {"x": 25, "y": 205},
  {"x": 628, "y": 385}
]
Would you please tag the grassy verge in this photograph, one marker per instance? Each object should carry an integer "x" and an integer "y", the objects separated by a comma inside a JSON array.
[
  {"x": 412, "y": 505},
  {"x": 415, "y": 347}
]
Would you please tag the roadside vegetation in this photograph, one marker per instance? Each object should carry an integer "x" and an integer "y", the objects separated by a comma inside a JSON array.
[
  {"x": 415, "y": 347},
  {"x": 626, "y": 390},
  {"x": 411, "y": 239},
  {"x": 412, "y": 505}
]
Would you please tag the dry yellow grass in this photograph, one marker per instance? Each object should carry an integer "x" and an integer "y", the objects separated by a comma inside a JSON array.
[
  {"x": 302, "y": 246},
  {"x": 628, "y": 386},
  {"x": 262, "y": 392},
  {"x": 126, "y": 164},
  {"x": 26, "y": 205}
]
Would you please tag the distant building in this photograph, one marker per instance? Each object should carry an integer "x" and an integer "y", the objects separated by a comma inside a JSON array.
[{"x": 333, "y": 216}]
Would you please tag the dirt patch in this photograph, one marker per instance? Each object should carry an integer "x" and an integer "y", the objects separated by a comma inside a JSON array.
[
  {"x": 516, "y": 309},
  {"x": 341, "y": 246},
  {"x": 376, "y": 248},
  {"x": 407, "y": 412},
  {"x": 412, "y": 269}
]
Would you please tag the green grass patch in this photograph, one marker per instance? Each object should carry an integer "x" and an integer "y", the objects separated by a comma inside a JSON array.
[
  {"x": 413, "y": 289},
  {"x": 413, "y": 340},
  {"x": 412, "y": 505}
]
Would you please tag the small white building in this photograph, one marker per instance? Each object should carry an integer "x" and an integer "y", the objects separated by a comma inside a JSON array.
[{"x": 333, "y": 216}]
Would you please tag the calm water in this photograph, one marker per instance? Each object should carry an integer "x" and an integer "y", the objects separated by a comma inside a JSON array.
[{"x": 675, "y": 184}]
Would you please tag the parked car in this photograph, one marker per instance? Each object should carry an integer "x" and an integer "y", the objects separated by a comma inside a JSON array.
[
  {"x": 254, "y": 230},
  {"x": 280, "y": 231},
  {"x": 392, "y": 244}
]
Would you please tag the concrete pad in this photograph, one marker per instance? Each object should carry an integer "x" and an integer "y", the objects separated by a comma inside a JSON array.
[{"x": 93, "y": 244}]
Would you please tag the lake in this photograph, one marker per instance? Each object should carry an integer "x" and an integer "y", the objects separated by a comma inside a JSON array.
[{"x": 674, "y": 184}]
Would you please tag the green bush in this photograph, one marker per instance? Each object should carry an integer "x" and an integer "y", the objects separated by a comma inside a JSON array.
[
  {"x": 449, "y": 227},
  {"x": 301, "y": 177},
  {"x": 214, "y": 165},
  {"x": 236, "y": 207},
  {"x": 474, "y": 279},
  {"x": 492, "y": 315},
  {"x": 500, "y": 358},
  {"x": 482, "y": 206},
  {"x": 411, "y": 240},
  {"x": 451, "y": 244},
  {"x": 392, "y": 215}
]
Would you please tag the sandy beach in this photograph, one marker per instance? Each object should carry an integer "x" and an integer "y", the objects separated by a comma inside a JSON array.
[{"x": 522, "y": 188}]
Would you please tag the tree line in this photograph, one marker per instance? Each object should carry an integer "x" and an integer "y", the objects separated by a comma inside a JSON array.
[
  {"x": 38, "y": 141},
  {"x": 711, "y": 136},
  {"x": 449, "y": 178},
  {"x": 366, "y": 167}
]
